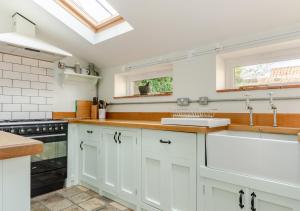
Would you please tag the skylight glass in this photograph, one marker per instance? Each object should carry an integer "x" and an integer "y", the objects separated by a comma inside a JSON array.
[{"x": 97, "y": 10}]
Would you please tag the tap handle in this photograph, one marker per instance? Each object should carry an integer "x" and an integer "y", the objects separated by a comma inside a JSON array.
[
  {"x": 247, "y": 100},
  {"x": 271, "y": 97}
]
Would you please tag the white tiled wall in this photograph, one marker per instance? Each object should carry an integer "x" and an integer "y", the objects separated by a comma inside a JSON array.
[{"x": 26, "y": 88}]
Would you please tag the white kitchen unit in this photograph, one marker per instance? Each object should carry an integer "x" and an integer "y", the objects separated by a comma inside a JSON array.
[
  {"x": 15, "y": 184},
  {"x": 89, "y": 154},
  {"x": 169, "y": 170},
  {"x": 120, "y": 162}
]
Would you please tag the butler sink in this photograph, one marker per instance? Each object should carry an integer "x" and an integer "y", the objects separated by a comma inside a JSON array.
[
  {"x": 203, "y": 122},
  {"x": 269, "y": 156}
]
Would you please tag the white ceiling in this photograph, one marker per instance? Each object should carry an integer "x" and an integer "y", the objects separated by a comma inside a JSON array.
[{"x": 161, "y": 26}]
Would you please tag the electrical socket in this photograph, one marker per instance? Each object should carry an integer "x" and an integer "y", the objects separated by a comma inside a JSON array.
[
  {"x": 183, "y": 101},
  {"x": 203, "y": 100}
]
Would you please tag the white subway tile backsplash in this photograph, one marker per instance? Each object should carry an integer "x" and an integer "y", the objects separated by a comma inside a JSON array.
[
  {"x": 38, "y": 100},
  {"x": 50, "y": 86},
  {"x": 11, "y": 107},
  {"x": 5, "y": 66},
  {"x": 21, "y": 68},
  {"x": 50, "y": 72},
  {"x": 12, "y": 59},
  {"x": 37, "y": 115},
  {"x": 5, "y": 115},
  {"x": 44, "y": 78},
  {"x": 5, "y": 82},
  {"x": 26, "y": 88},
  {"x": 48, "y": 115},
  {"x": 5, "y": 99},
  {"x": 38, "y": 85},
  {"x": 38, "y": 71},
  {"x": 11, "y": 91},
  {"x": 30, "y": 62},
  {"x": 20, "y": 115},
  {"x": 45, "y": 107},
  {"x": 45, "y": 93},
  {"x": 30, "y": 92},
  {"x": 50, "y": 101},
  {"x": 21, "y": 99},
  {"x": 11, "y": 75},
  {"x": 29, "y": 77},
  {"x": 29, "y": 107},
  {"x": 21, "y": 84},
  {"x": 45, "y": 64}
]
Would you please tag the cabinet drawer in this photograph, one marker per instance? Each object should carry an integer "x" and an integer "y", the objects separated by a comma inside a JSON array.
[
  {"x": 176, "y": 144},
  {"x": 89, "y": 132}
]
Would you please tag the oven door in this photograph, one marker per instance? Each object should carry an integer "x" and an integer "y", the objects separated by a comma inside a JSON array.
[{"x": 54, "y": 155}]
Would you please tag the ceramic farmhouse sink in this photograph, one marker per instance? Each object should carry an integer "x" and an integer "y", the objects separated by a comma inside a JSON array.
[
  {"x": 269, "y": 156},
  {"x": 203, "y": 122}
]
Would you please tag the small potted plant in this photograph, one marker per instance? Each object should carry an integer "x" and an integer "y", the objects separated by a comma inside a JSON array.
[{"x": 144, "y": 89}]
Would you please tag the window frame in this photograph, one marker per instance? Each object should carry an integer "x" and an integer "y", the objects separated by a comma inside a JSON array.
[
  {"x": 86, "y": 20},
  {"x": 269, "y": 57}
]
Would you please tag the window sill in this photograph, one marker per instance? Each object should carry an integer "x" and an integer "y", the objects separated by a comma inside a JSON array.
[
  {"x": 253, "y": 88},
  {"x": 149, "y": 95}
]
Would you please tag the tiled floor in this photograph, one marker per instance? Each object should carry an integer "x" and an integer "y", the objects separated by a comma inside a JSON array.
[{"x": 76, "y": 198}]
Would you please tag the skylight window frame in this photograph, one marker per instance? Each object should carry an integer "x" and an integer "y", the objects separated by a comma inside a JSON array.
[{"x": 88, "y": 21}]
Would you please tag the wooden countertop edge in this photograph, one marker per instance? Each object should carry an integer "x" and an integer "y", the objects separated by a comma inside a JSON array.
[
  {"x": 153, "y": 125},
  {"x": 25, "y": 147},
  {"x": 266, "y": 129}
]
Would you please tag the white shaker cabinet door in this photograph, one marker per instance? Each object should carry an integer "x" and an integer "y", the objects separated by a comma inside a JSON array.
[
  {"x": 220, "y": 196},
  {"x": 88, "y": 158},
  {"x": 262, "y": 201},
  {"x": 129, "y": 144},
  {"x": 109, "y": 160}
]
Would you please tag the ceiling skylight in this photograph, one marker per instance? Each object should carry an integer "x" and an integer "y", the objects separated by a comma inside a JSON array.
[
  {"x": 96, "y": 14},
  {"x": 94, "y": 20},
  {"x": 98, "y": 10}
]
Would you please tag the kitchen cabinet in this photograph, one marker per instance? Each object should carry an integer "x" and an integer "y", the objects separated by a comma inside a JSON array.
[
  {"x": 224, "y": 196},
  {"x": 89, "y": 152},
  {"x": 262, "y": 201},
  {"x": 229, "y": 197},
  {"x": 169, "y": 170},
  {"x": 119, "y": 162}
]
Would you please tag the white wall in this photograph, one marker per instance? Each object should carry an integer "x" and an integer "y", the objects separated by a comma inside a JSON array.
[{"x": 194, "y": 78}]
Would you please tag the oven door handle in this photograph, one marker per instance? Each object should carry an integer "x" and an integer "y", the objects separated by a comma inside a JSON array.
[{"x": 47, "y": 136}]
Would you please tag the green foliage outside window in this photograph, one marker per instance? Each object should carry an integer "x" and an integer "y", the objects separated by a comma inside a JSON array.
[{"x": 158, "y": 85}]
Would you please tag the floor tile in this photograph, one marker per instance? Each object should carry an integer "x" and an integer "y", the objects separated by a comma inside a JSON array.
[
  {"x": 81, "y": 197},
  {"x": 76, "y": 198},
  {"x": 92, "y": 204}
]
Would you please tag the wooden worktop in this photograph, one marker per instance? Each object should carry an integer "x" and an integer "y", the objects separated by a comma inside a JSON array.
[
  {"x": 12, "y": 146},
  {"x": 154, "y": 125}
]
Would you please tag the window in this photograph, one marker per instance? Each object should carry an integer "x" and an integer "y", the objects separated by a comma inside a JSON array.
[
  {"x": 96, "y": 14},
  {"x": 157, "y": 85},
  {"x": 150, "y": 81},
  {"x": 275, "y": 73}
]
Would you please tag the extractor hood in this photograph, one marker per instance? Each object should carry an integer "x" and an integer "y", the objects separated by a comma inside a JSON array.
[{"x": 22, "y": 42}]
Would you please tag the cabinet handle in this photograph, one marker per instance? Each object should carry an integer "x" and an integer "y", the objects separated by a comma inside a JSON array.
[
  {"x": 115, "y": 137},
  {"x": 241, "y": 199},
  {"x": 165, "y": 142},
  {"x": 81, "y": 143},
  {"x": 89, "y": 131},
  {"x": 253, "y": 196},
  {"x": 119, "y": 138}
]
